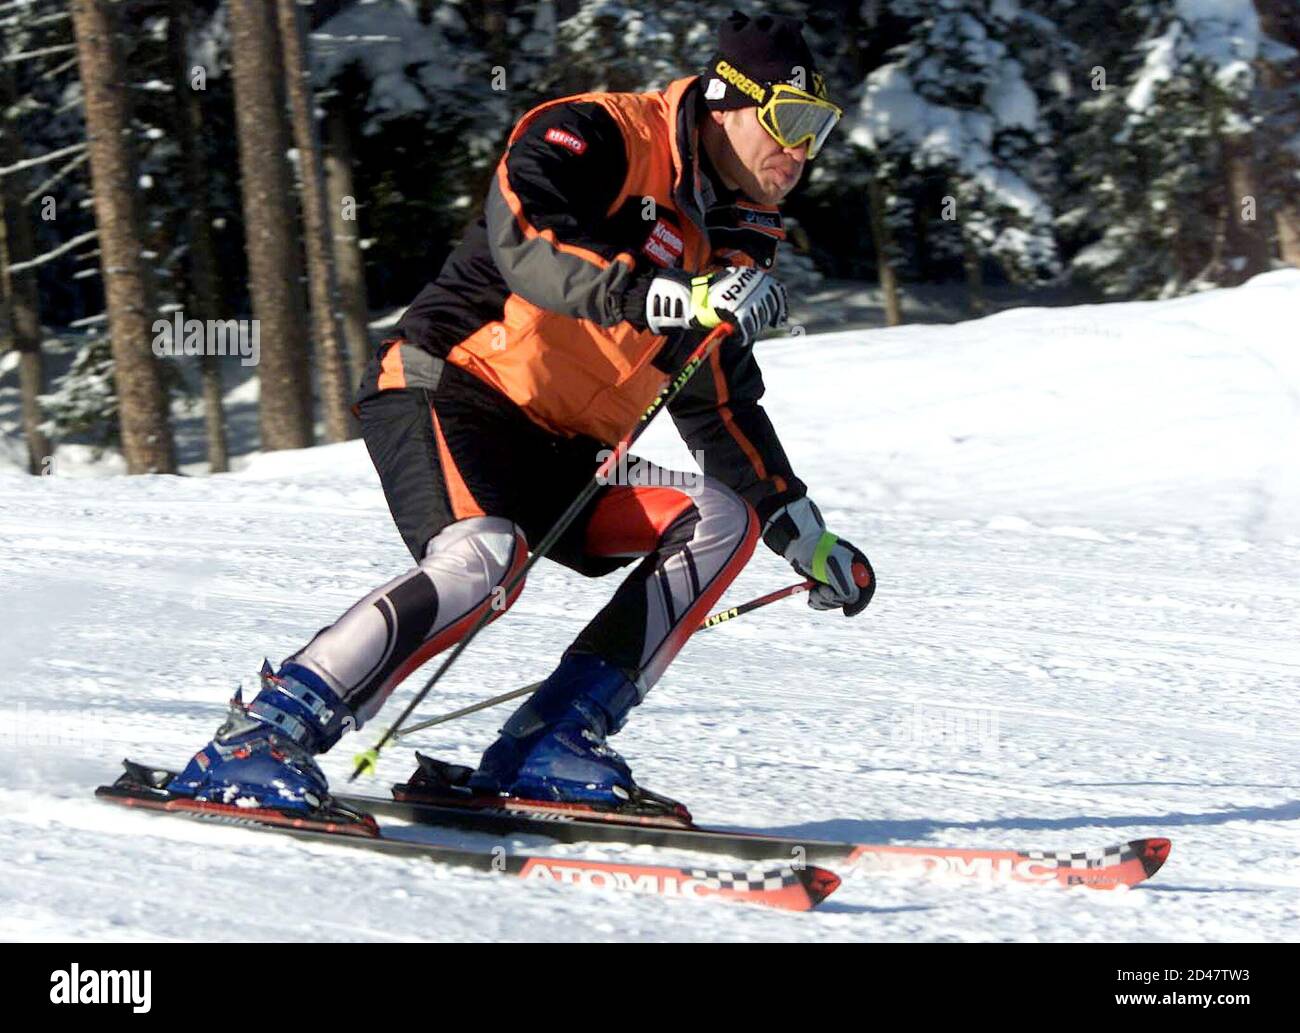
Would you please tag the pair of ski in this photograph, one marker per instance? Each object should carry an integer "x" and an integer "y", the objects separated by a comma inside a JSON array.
[{"x": 794, "y": 883}]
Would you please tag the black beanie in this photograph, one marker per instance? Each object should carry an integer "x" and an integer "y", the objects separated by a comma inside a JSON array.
[{"x": 753, "y": 53}]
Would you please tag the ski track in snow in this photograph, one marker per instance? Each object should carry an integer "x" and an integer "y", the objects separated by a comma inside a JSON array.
[{"x": 1086, "y": 530}]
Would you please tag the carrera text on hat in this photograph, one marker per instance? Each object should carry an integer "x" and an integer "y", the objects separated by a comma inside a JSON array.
[{"x": 742, "y": 82}]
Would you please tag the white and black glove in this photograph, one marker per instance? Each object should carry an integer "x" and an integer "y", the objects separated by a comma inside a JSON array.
[
  {"x": 744, "y": 296},
  {"x": 843, "y": 574}
]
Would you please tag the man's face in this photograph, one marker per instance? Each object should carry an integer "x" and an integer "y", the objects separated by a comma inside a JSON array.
[{"x": 760, "y": 167}]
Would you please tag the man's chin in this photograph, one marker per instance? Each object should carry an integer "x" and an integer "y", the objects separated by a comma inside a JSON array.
[{"x": 771, "y": 195}]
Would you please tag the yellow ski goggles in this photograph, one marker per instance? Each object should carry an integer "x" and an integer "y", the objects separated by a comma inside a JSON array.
[{"x": 793, "y": 117}]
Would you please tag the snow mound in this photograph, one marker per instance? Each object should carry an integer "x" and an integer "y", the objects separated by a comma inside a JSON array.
[{"x": 1184, "y": 411}]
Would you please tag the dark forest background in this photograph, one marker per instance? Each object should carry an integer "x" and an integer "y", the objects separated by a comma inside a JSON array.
[{"x": 312, "y": 164}]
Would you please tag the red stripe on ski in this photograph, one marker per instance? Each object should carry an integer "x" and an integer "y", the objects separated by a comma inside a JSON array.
[
  {"x": 782, "y": 888},
  {"x": 1111, "y": 868}
]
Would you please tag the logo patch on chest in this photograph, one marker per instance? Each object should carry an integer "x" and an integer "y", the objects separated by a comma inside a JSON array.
[
  {"x": 664, "y": 246},
  {"x": 566, "y": 138},
  {"x": 761, "y": 219}
]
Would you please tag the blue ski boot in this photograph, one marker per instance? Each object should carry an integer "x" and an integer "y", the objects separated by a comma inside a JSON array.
[
  {"x": 262, "y": 754},
  {"x": 553, "y": 747}
]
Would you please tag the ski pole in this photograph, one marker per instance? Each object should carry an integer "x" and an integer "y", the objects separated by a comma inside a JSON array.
[
  {"x": 697, "y": 358},
  {"x": 860, "y": 578},
  {"x": 722, "y": 616},
  {"x": 473, "y": 708},
  {"x": 712, "y": 621}
]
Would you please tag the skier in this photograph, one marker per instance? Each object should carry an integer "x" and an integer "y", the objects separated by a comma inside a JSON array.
[{"x": 616, "y": 229}]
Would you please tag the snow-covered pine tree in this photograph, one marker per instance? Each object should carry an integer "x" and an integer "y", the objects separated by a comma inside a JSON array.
[
  {"x": 1065, "y": 48},
  {"x": 620, "y": 46},
  {"x": 1279, "y": 121},
  {"x": 1172, "y": 158},
  {"x": 424, "y": 107},
  {"x": 952, "y": 101}
]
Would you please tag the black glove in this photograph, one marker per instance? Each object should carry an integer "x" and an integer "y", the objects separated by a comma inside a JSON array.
[{"x": 843, "y": 573}]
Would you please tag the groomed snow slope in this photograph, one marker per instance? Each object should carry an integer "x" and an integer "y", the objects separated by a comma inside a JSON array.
[{"x": 1086, "y": 526}]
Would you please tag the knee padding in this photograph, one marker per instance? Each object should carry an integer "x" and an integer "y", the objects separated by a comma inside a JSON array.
[{"x": 488, "y": 549}]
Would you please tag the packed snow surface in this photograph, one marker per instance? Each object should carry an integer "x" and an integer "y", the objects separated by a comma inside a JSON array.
[{"x": 1086, "y": 526}]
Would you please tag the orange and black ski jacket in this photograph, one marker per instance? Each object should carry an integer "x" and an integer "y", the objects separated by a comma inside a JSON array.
[{"x": 594, "y": 195}]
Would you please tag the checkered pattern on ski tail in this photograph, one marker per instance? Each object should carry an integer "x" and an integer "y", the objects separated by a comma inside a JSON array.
[
  {"x": 752, "y": 881},
  {"x": 1099, "y": 857}
]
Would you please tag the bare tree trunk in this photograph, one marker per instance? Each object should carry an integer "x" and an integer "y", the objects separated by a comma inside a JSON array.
[
  {"x": 205, "y": 290},
  {"x": 285, "y": 406},
  {"x": 1287, "y": 219},
  {"x": 1240, "y": 249},
  {"x": 31, "y": 385},
  {"x": 1280, "y": 20},
  {"x": 322, "y": 290},
  {"x": 1245, "y": 238},
  {"x": 348, "y": 260},
  {"x": 20, "y": 324},
  {"x": 142, "y": 402},
  {"x": 1189, "y": 260},
  {"x": 921, "y": 240},
  {"x": 20, "y": 320},
  {"x": 973, "y": 262},
  {"x": 495, "y": 25},
  {"x": 883, "y": 240}
]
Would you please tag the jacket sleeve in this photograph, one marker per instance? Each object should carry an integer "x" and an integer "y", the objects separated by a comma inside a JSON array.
[
  {"x": 718, "y": 415},
  {"x": 545, "y": 208}
]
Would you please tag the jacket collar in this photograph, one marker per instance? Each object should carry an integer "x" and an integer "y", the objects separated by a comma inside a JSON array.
[{"x": 681, "y": 96}]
